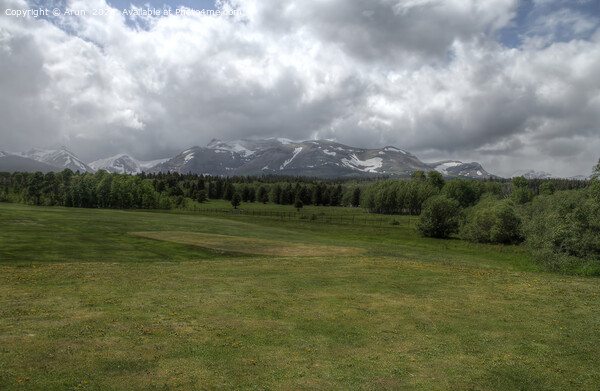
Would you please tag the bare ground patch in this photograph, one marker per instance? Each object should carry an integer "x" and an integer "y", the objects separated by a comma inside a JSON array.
[{"x": 248, "y": 245}]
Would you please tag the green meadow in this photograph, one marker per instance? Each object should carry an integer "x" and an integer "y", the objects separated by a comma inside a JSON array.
[{"x": 96, "y": 299}]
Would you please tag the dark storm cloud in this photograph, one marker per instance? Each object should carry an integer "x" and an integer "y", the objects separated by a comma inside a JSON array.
[{"x": 428, "y": 76}]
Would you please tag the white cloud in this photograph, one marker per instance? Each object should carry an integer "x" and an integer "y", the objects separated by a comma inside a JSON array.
[{"x": 427, "y": 76}]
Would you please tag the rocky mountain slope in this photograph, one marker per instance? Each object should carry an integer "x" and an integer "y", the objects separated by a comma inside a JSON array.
[
  {"x": 319, "y": 158},
  {"x": 124, "y": 164},
  {"x": 61, "y": 158}
]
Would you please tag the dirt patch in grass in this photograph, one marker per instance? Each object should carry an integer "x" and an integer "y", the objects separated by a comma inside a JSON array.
[
  {"x": 246, "y": 245},
  {"x": 24, "y": 222}
]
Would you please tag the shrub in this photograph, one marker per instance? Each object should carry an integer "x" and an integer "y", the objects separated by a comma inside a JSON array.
[
  {"x": 440, "y": 217},
  {"x": 165, "y": 202},
  {"x": 563, "y": 231},
  {"x": 493, "y": 221}
]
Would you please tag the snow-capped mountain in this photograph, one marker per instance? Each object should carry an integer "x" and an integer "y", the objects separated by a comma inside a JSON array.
[
  {"x": 319, "y": 158},
  {"x": 316, "y": 158},
  {"x": 10, "y": 162},
  {"x": 60, "y": 158},
  {"x": 532, "y": 174},
  {"x": 454, "y": 168},
  {"x": 124, "y": 164}
]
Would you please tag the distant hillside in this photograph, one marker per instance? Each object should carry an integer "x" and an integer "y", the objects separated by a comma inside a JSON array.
[
  {"x": 318, "y": 158},
  {"x": 315, "y": 158},
  {"x": 13, "y": 163}
]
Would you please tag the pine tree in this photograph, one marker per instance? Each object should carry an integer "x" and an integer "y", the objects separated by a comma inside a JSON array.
[
  {"x": 236, "y": 199},
  {"x": 298, "y": 204}
]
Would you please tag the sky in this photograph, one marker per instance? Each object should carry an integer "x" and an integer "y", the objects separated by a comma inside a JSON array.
[{"x": 511, "y": 84}]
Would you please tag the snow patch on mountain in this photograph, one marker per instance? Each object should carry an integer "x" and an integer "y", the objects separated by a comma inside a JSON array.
[
  {"x": 285, "y": 141},
  {"x": 369, "y": 165},
  {"x": 443, "y": 168},
  {"x": 58, "y": 158},
  {"x": 330, "y": 153},
  {"x": 296, "y": 152},
  {"x": 233, "y": 147},
  {"x": 145, "y": 165},
  {"x": 122, "y": 164},
  {"x": 188, "y": 157},
  {"x": 393, "y": 149}
]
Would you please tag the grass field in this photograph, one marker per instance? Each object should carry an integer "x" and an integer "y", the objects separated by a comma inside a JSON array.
[{"x": 111, "y": 300}]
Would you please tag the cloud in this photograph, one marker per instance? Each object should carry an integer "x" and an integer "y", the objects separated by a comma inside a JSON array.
[
  {"x": 386, "y": 31},
  {"x": 428, "y": 76}
]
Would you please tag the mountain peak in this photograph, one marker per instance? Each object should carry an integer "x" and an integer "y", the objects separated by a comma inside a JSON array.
[
  {"x": 319, "y": 158},
  {"x": 120, "y": 163},
  {"x": 60, "y": 158}
]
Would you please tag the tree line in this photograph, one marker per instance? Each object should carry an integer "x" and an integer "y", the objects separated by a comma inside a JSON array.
[{"x": 162, "y": 190}]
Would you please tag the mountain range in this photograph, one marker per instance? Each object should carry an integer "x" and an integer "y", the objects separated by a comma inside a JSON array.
[{"x": 315, "y": 158}]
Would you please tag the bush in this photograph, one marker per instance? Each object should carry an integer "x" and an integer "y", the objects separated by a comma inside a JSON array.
[
  {"x": 563, "y": 231},
  {"x": 493, "y": 221},
  {"x": 440, "y": 217},
  {"x": 165, "y": 202}
]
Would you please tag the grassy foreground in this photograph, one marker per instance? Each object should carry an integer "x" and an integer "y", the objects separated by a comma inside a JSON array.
[{"x": 101, "y": 300}]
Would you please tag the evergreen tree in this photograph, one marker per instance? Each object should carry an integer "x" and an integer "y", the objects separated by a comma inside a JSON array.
[
  {"x": 35, "y": 184},
  {"x": 298, "y": 204},
  {"x": 229, "y": 191},
  {"x": 263, "y": 195},
  {"x": 355, "y": 201},
  {"x": 236, "y": 199},
  {"x": 276, "y": 194}
]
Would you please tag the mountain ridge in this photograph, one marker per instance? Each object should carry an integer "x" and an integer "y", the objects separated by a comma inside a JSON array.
[
  {"x": 317, "y": 158},
  {"x": 256, "y": 157}
]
